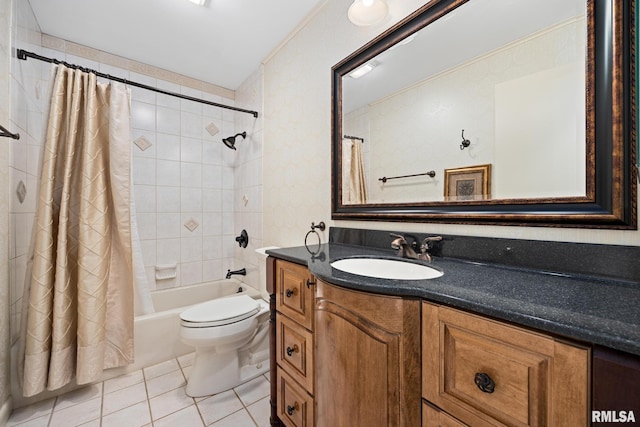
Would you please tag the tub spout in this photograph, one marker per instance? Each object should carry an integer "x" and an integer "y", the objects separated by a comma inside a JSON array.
[{"x": 241, "y": 272}]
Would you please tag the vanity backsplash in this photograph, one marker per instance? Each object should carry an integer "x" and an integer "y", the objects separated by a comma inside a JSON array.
[{"x": 595, "y": 260}]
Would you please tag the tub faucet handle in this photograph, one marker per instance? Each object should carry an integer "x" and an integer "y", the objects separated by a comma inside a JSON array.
[{"x": 243, "y": 239}]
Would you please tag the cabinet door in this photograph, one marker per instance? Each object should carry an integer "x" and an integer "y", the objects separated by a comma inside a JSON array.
[
  {"x": 294, "y": 292},
  {"x": 367, "y": 359},
  {"x": 488, "y": 373}
]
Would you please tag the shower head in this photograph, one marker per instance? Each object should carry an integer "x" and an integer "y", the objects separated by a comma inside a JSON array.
[{"x": 231, "y": 141}]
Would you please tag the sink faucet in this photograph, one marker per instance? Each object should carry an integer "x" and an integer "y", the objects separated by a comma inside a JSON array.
[
  {"x": 241, "y": 272},
  {"x": 409, "y": 250},
  {"x": 405, "y": 249}
]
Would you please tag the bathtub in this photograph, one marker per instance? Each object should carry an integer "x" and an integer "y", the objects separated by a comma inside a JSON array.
[{"x": 156, "y": 334}]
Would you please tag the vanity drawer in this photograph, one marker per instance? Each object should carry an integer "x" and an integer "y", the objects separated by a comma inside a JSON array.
[
  {"x": 295, "y": 406},
  {"x": 294, "y": 351},
  {"x": 434, "y": 417},
  {"x": 488, "y": 373},
  {"x": 294, "y": 292}
]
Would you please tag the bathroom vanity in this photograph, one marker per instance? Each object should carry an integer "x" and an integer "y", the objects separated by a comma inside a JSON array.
[
  {"x": 483, "y": 345},
  {"x": 514, "y": 332}
]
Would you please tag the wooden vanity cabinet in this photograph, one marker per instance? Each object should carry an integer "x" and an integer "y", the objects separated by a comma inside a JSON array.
[
  {"x": 342, "y": 357},
  {"x": 367, "y": 359},
  {"x": 294, "y": 352},
  {"x": 482, "y": 372}
]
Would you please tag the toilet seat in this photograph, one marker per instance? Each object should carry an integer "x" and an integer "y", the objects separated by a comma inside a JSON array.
[{"x": 220, "y": 312}]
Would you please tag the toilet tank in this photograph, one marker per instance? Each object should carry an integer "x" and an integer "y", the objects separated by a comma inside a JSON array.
[{"x": 261, "y": 256}]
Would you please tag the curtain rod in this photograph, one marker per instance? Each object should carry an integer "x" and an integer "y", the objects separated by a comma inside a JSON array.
[{"x": 23, "y": 54}]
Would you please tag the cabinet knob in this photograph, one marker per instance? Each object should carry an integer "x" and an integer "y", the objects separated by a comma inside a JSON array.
[
  {"x": 484, "y": 382},
  {"x": 292, "y": 408},
  {"x": 291, "y": 350},
  {"x": 310, "y": 283},
  {"x": 290, "y": 292}
]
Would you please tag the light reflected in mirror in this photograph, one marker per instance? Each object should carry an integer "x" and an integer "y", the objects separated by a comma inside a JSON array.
[{"x": 490, "y": 97}]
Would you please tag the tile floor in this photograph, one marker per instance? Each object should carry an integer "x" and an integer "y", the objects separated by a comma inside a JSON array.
[{"x": 153, "y": 396}]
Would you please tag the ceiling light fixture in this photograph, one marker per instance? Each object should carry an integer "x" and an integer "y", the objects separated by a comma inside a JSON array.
[
  {"x": 361, "y": 71},
  {"x": 367, "y": 12},
  {"x": 198, "y": 2}
]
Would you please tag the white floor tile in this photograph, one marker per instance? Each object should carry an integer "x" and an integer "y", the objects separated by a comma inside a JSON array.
[
  {"x": 133, "y": 416},
  {"x": 155, "y": 393},
  {"x": 94, "y": 423},
  {"x": 254, "y": 390},
  {"x": 76, "y": 414},
  {"x": 161, "y": 369},
  {"x": 78, "y": 396},
  {"x": 42, "y": 421},
  {"x": 164, "y": 383},
  {"x": 123, "y": 398},
  {"x": 169, "y": 402},
  {"x": 238, "y": 419},
  {"x": 30, "y": 412},
  {"x": 187, "y": 417},
  {"x": 219, "y": 406},
  {"x": 260, "y": 412},
  {"x": 123, "y": 381}
]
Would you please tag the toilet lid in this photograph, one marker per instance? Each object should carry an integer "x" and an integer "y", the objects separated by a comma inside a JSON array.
[{"x": 222, "y": 311}]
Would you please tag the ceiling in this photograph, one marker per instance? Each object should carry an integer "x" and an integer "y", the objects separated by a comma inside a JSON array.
[{"x": 221, "y": 43}]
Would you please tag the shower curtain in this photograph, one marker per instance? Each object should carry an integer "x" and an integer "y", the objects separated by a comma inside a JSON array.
[
  {"x": 354, "y": 188},
  {"x": 80, "y": 285}
]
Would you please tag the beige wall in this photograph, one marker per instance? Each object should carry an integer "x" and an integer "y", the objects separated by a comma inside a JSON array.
[{"x": 297, "y": 138}]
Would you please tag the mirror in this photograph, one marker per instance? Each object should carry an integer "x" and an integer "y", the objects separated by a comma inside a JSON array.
[{"x": 521, "y": 117}]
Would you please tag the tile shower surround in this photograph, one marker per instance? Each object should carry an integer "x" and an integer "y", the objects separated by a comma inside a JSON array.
[{"x": 182, "y": 176}]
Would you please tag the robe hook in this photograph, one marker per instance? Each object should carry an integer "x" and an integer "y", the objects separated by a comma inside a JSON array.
[{"x": 465, "y": 142}]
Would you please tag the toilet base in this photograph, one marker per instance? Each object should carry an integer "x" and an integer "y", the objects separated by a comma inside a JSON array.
[{"x": 231, "y": 369}]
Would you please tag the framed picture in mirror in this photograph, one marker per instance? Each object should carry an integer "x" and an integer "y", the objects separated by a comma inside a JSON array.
[{"x": 468, "y": 183}]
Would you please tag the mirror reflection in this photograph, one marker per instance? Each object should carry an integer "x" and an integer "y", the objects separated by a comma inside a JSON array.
[{"x": 471, "y": 108}]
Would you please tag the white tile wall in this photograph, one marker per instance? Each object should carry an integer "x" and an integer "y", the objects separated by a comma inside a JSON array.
[{"x": 28, "y": 91}]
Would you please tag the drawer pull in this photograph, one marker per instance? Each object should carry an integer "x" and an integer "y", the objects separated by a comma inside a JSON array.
[
  {"x": 484, "y": 382},
  {"x": 310, "y": 283},
  {"x": 292, "y": 408},
  {"x": 290, "y": 292},
  {"x": 291, "y": 350}
]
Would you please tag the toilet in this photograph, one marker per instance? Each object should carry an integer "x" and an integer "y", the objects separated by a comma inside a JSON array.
[{"x": 230, "y": 336}]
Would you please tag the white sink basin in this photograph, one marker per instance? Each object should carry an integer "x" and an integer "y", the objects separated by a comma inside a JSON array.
[{"x": 386, "y": 268}]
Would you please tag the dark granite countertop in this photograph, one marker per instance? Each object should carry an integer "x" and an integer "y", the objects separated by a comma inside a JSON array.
[{"x": 592, "y": 310}]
